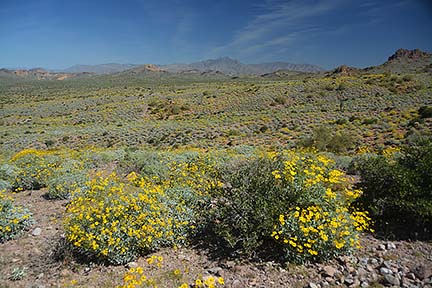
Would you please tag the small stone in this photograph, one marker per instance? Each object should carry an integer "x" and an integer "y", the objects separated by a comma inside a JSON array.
[
  {"x": 132, "y": 265},
  {"x": 374, "y": 261},
  {"x": 385, "y": 271},
  {"x": 364, "y": 261},
  {"x": 421, "y": 272},
  {"x": 36, "y": 251},
  {"x": 387, "y": 264},
  {"x": 344, "y": 259},
  {"x": 37, "y": 231},
  {"x": 215, "y": 271},
  {"x": 312, "y": 285},
  {"x": 391, "y": 245},
  {"x": 87, "y": 270},
  {"x": 350, "y": 269},
  {"x": 369, "y": 268},
  {"x": 329, "y": 271},
  {"x": 392, "y": 280},
  {"x": 361, "y": 272},
  {"x": 364, "y": 284},
  {"x": 381, "y": 247},
  {"x": 349, "y": 280},
  {"x": 229, "y": 264},
  {"x": 252, "y": 282},
  {"x": 40, "y": 276},
  {"x": 237, "y": 284},
  {"x": 411, "y": 276}
]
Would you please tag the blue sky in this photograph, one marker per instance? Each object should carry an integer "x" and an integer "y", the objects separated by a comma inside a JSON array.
[{"x": 61, "y": 33}]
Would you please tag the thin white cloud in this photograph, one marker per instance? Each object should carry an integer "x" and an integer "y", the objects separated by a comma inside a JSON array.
[{"x": 278, "y": 23}]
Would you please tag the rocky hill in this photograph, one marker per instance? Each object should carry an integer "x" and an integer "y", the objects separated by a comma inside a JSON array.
[
  {"x": 41, "y": 74},
  {"x": 144, "y": 69},
  {"x": 405, "y": 61},
  {"x": 345, "y": 70}
]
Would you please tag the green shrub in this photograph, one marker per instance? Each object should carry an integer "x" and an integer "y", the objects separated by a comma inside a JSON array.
[
  {"x": 13, "y": 219},
  {"x": 7, "y": 176},
  {"x": 425, "y": 112},
  {"x": 398, "y": 191},
  {"x": 68, "y": 179},
  {"x": 146, "y": 163},
  {"x": 247, "y": 205},
  {"x": 324, "y": 139},
  {"x": 264, "y": 203}
]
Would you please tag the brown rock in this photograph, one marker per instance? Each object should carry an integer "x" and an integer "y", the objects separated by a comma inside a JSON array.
[
  {"x": 421, "y": 271},
  {"x": 329, "y": 271}
]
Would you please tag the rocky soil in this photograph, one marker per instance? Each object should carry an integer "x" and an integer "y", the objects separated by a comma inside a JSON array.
[{"x": 37, "y": 260}]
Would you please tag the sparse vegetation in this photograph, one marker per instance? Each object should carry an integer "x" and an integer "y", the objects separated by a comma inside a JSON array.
[{"x": 252, "y": 168}]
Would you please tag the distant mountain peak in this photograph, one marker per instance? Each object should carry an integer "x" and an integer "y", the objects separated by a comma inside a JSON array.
[
  {"x": 345, "y": 70},
  {"x": 410, "y": 54},
  {"x": 146, "y": 68}
]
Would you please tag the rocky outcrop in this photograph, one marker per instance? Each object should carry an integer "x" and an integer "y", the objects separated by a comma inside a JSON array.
[{"x": 410, "y": 54}]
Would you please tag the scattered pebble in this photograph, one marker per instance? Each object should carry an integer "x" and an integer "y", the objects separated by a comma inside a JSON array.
[{"x": 37, "y": 231}]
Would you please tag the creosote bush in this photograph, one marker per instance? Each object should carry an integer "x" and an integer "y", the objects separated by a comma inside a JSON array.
[{"x": 398, "y": 190}]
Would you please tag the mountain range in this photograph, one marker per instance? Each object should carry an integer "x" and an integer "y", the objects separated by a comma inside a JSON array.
[
  {"x": 225, "y": 65},
  {"x": 402, "y": 61},
  {"x": 230, "y": 66}
]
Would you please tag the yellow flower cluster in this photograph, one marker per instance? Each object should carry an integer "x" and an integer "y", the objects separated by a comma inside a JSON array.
[
  {"x": 135, "y": 277},
  {"x": 200, "y": 174},
  {"x": 117, "y": 221},
  {"x": 389, "y": 152},
  {"x": 326, "y": 225},
  {"x": 315, "y": 231},
  {"x": 25, "y": 152}
]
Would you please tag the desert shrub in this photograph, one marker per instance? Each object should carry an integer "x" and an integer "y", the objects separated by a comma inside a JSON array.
[
  {"x": 324, "y": 139},
  {"x": 13, "y": 219},
  {"x": 7, "y": 176},
  {"x": 397, "y": 191},
  {"x": 33, "y": 169},
  {"x": 256, "y": 208},
  {"x": 246, "y": 205},
  {"x": 146, "y": 163},
  {"x": 280, "y": 100},
  {"x": 115, "y": 222},
  {"x": 425, "y": 112},
  {"x": 69, "y": 178}
]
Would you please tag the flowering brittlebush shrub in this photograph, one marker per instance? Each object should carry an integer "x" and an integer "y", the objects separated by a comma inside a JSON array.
[
  {"x": 33, "y": 169},
  {"x": 198, "y": 172},
  {"x": 116, "y": 221},
  {"x": 13, "y": 219},
  {"x": 139, "y": 277},
  {"x": 68, "y": 179},
  {"x": 322, "y": 224},
  {"x": 292, "y": 204}
]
